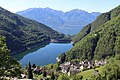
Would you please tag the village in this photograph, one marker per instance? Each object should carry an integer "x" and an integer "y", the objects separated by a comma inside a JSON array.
[
  {"x": 69, "y": 68},
  {"x": 74, "y": 67}
]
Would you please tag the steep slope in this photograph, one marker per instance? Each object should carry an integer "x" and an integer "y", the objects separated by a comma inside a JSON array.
[
  {"x": 70, "y": 22},
  {"x": 22, "y": 33},
  {"x": 103, "y": 18},
  {"x": 101, "y": 40}
]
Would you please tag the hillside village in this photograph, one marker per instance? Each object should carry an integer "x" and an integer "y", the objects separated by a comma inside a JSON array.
[
  {"x": 69, "y": 68},
  {"x": 74, "y": 67}
]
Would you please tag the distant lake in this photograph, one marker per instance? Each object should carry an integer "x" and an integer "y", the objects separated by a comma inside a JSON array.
[{"x": 43, "y": 55}]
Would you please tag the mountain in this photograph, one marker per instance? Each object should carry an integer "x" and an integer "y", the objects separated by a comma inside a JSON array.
[
  {"x": 22, "y": 33},
  {"x": 96, "y": 14},
  {"x": 75, "y": 20},
  {"x": 98, "y": 40},
  {"x": 70, "y": 22}
]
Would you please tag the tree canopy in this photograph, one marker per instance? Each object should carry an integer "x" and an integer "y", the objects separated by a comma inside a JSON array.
[{"x": 8, "y": 66}]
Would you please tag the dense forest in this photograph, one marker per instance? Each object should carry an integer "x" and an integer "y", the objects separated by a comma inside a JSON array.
[
  {"x": 101, "y": 20},
  {"x": 98, "y": 40},
  {"x": 22, "y": 33}
]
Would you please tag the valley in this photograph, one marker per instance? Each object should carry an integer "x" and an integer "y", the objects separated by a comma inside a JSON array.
[
  {"x": 70, "y": 22},
  {"x": 89, "y": 49}
]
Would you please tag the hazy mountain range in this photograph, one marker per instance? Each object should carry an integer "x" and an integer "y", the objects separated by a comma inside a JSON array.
[{"x": 70, "y": 22}]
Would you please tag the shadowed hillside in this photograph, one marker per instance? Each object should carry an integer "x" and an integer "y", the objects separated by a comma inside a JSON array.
[{"x": 22, "y": 33}]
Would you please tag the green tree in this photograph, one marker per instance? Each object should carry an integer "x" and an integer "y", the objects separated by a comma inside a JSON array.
[
  {"x": 30, "y": 74},
  {"x": 117, "y": 56},
  {"x": 34, "y": 66},
  {"x": 52, "y": 76},
  {"x": 111, "y": 71},
  {"x": 44, "y": 73},
  {"x": 62, "y": 57},
  {"x": 8, "y": 66}
]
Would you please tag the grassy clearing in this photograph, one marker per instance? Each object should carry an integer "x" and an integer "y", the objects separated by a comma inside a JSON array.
[{"x": 88, "y": 73}]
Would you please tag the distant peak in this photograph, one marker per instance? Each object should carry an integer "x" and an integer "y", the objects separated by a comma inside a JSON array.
[
  {"x": 78, "y": 11},
  {"x": 31, "y": 9},
  {"x": 48, "y": 8},
  {"x": 96, "y": 12}
]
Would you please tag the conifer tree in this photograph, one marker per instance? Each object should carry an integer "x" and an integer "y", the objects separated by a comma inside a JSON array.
[
  {"x": 44, "y": 73},
  {"x": 30, "y": 74},
  {"x": 52, "y": 76}
]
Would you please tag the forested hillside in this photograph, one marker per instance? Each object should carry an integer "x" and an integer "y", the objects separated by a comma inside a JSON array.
[
  {"x": 22, "y": 33},
  {"x": 98, "y": 40},
  {"x": 103, "y": 18}
]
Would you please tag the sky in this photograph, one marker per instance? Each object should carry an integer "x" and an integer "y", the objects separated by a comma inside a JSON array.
[{"x": 63, "y": 5}]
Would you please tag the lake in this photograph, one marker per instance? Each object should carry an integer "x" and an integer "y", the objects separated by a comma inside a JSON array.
[{"x": 43, "y": 55}]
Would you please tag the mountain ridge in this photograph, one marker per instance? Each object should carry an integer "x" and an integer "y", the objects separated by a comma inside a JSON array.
[
  {"x": 98, "y": 40},
  {"x": 103, "y": 18},
  {"x": 63, "y": 22},
  {"x": 22, "y": 33}
]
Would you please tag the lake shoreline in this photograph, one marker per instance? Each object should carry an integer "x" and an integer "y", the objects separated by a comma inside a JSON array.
[
  {"x": 47, "y": 54},
  {"x": 60, "y": 41},
  {"x": 30, "y": 47},
  {"x": 43, "y": 43}
]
